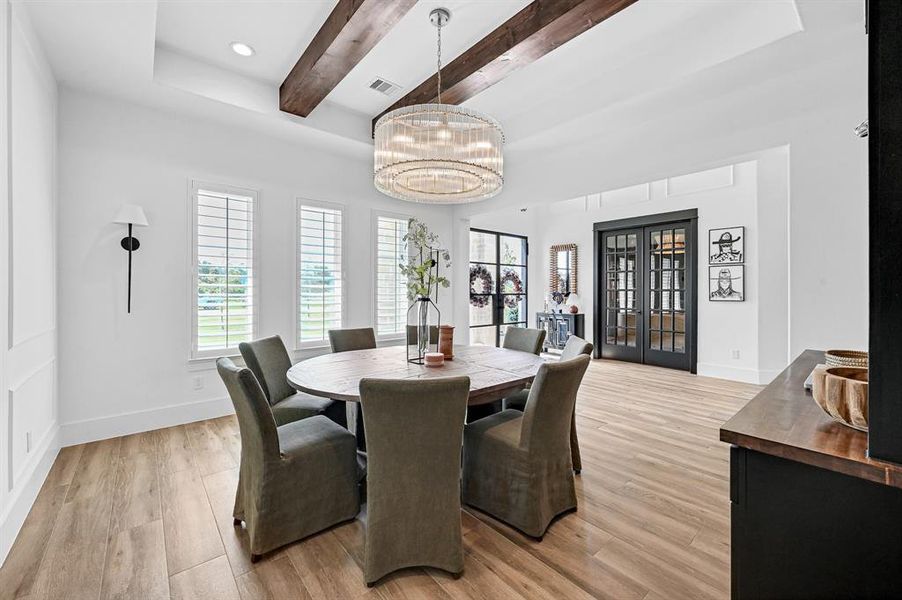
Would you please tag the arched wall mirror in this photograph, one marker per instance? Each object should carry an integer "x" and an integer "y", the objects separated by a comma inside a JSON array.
[{"x": 563, "y": 271}]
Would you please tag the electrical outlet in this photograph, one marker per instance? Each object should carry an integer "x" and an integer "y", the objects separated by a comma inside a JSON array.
[
  {"x": 735, "y": 354},
  {"x": 198, "y": 382},
  {"x": 27, "y": 442}
]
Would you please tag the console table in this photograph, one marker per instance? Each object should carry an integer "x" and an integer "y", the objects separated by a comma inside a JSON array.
[
  {"x": 812, "y": 515},
  {"x": 559, "y": 327}
]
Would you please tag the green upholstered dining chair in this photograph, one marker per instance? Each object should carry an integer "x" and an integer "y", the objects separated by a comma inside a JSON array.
[
  {"x": 268, "y": 359},
  {"x": 345, "y": 340},
  {"x": 414, "y": 433},
  {"x": 573, "y": 348},
  {"x": 517, "y": 465},
  {"x": 515, "y": 338},
  {"x": 294, "y": 480},
  {"x": 524, "y": 339}
]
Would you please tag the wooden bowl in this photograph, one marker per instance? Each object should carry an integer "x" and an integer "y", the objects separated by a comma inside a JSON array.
[
  {"x": 846, "y": 358},
  {"x": 842, "y": 393}
]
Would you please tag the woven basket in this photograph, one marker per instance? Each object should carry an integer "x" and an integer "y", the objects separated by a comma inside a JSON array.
[{"x": 847, "y": 358}]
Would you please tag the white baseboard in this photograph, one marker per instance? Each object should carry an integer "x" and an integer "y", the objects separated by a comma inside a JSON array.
[
  {"x": 742, "y": 374},
  {"x": 23, "y": 499},
  {"x": 92, "y": 430}
]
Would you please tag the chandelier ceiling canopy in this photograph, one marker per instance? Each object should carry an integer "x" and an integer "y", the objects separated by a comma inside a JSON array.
[{"x": 438, "y": 153}]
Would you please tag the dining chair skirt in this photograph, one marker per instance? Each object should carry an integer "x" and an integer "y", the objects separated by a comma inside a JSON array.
[
  {"x": 294, "y": 480},
  {"x": 414, "y": 435},
  {"x": 517, "y": 465}
]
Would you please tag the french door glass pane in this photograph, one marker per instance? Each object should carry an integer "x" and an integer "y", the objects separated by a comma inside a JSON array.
[
  {"x": 482, "y": 247},
  {"x": 621, "y": 263},
  {"x": 498, "y": 289},
  {"x": 513, "y": 280},
  {"x": 631, "y": 337},
  {"x": 667, "y": 285},
  {"x": 514, "y": 308},
  {"x": 482, "y": 336},
  {"x": 513, "y": 250},
  {"x": 481, "y": 315}
]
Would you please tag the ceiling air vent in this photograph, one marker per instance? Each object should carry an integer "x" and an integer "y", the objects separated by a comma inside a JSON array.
[{"x": 384, "y": 86}]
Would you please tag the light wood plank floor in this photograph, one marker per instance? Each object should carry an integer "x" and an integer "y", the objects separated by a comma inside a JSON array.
[{"x": 149, "y": 515}]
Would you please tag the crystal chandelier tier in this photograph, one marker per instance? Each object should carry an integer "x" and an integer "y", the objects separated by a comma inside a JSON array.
[{"x": 438, "y": 153}]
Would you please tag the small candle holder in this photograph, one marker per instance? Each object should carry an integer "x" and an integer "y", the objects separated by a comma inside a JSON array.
[{"x": 434, "y": 359}]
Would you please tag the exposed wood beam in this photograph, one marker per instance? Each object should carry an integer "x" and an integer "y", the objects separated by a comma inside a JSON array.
[
  {"x": 521, "y": 40},
  {"x": 349, "y": 33}
]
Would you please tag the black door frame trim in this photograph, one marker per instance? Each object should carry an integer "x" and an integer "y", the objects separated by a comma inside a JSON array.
[
  {"x": 690, "y": 215},
  {"x": 498, "y": 311}
]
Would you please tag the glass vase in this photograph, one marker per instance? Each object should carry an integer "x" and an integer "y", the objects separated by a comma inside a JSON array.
[{"x": 423, "y": 318}]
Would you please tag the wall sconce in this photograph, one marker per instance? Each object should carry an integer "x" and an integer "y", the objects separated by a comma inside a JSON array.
[{"x": 130, "y": 214}]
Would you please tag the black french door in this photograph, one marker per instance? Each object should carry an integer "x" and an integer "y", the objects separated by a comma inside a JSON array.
[
  {"x": 645, "y": 277},
  {"x": 498, "y": 285},
  {"x": 623, "y": 326}
]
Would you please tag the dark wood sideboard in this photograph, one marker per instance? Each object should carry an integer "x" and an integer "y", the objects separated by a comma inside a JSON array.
[
  {"x": 812, "y": 516},
  {"x": 559, "y": 327}
]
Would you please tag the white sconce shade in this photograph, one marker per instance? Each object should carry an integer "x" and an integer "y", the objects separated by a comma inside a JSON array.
[{"x": 131, "y": 214}]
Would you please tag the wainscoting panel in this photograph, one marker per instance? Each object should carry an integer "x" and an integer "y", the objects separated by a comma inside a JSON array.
[
  {"x": 32, "y": 275},
  {"x": 702, "y": 181},
  {"x": 31, "y": 419},
  {"x": 28, "y": 394},
  {"x": 629, "y": 195}
]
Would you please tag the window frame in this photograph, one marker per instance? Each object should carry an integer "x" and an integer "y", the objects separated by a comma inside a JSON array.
[
  {"x": 296, "y": 302},
  {"x": 377, "y": 214},
  {"x": 194, "y": 185}
]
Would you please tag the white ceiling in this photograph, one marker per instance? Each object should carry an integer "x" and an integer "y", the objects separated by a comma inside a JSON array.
[
  {"x": 176, "y": 54},
  {"x": 279, "y": 31}
]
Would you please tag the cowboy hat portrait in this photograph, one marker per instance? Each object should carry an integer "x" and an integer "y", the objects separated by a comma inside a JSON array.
[{"x": 727, "y": 245}]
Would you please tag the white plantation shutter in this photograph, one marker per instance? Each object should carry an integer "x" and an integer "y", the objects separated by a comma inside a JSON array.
[
  {"x": 391, "y": 285},
  {"x": 320, "y": 290},
  {"x": 225, "y": 310}
]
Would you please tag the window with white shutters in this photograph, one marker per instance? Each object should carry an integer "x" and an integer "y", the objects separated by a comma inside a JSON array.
[
  {"x": 224, "y": 304},
  {"x": 320, "y": 290},
  {"x": 391, "y": 284}
]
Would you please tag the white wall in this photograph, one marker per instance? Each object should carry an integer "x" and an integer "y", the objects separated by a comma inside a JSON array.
[
  {"x": 805, "y": 92},
  {"x": 724, "y": 197},
  {"x": 28, "y": 408},
  {"x": 127, "y": 373}
]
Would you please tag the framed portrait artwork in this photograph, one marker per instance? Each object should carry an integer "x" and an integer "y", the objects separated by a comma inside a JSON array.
[
  {"x": 726, "y": 283},
  {"x": 726, "y": 246}
]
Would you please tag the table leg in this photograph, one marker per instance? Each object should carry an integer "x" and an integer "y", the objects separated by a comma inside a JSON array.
[
  {"x": 355, "y": 424},
  {"x": 479, "y": 411}
]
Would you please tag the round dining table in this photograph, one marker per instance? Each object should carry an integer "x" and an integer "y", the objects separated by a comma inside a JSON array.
[{"x": 494, "y": 372}]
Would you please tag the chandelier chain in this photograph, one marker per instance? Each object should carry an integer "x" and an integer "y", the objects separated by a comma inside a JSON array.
[{"x": 439, "y": 61}]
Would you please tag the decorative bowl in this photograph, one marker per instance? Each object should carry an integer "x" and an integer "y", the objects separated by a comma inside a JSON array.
[
  {"x": 846, "y": 358},
  {"x": 842, "y": 393}
]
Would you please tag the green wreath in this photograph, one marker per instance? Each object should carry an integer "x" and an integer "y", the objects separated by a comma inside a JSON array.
[{"x": 482, "y": 274}]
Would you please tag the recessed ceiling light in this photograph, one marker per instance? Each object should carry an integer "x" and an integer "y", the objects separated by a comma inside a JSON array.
[{"x": 242, "y": 49}]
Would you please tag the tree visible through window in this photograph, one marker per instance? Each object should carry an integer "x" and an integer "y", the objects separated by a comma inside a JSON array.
[
  {"x": 224, "y": 308},
  {"x": 391, "y": 283},
  {"x": 320, "y": 297}
]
